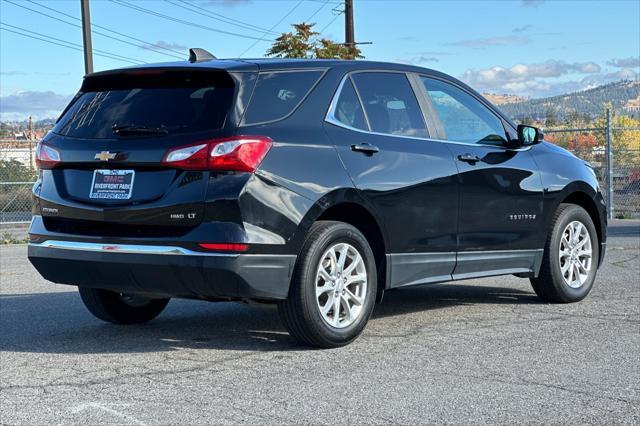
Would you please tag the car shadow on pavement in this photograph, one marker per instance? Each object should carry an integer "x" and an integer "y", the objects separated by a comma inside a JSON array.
[
  {"x": 58, "y": 322},
  {"x": 438, "y": 296}
]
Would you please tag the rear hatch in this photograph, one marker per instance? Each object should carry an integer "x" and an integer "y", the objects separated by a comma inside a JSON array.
[{"x": 105, "y": 175}]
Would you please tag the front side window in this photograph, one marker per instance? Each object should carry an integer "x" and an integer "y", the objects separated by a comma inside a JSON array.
[
  {"x": 277, "y": 94},
  {"x": 390, "y": 104},
  {"x": 348, "y": 109},
  {"x": 463, "y": 118}
]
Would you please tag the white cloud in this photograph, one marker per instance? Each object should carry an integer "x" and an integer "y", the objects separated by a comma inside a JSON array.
[
  {"x": 160, "y": 44},
  {"x": 424, "y": 59},
  {"x": 520, "y": 73},
  {"x": 37, "y": 104},
  {"x": 542, "y": 79},
  {"x": 522, "y": 28},
  {"x": 629, "y": 62},
  {"x": 480, "y": 43},
  {"x": 418, "y": 60}
]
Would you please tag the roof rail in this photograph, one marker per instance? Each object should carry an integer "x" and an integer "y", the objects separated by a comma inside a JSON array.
[{"x": 197, "y": 54}]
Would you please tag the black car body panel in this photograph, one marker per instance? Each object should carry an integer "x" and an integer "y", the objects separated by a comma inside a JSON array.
[
  {"x": 565, "y": 177},
  {"x": 434, "y": 217}
]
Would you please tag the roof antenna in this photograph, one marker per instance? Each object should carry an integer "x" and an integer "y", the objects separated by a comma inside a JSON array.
[{"x": 199, "y": 55}]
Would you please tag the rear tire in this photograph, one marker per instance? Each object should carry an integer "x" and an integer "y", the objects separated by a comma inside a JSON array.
[
  {"x": 333, "y": 288},
  {"x": 119, "y": 308},
  {"x": 571, "y": 255}
]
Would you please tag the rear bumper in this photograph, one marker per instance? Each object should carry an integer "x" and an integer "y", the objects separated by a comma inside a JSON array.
[{"x": 163, "y": 270}]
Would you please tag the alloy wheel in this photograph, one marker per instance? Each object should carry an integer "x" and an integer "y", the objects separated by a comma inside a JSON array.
[
  {"x": 341, "y": 285},
  {"x": 575, "y": 254}
]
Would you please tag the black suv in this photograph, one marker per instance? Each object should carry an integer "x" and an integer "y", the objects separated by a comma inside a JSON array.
[{"x": 313, "y": 184}]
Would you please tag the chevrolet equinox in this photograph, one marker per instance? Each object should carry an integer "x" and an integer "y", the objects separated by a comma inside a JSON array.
[{"x": 313, "y": 184}]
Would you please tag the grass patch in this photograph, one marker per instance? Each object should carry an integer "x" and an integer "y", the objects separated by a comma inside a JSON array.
[{"x": 8, "y": 238}]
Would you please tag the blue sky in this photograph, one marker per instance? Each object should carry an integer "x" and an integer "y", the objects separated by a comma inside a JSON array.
[{"x": 526, "y": 47}]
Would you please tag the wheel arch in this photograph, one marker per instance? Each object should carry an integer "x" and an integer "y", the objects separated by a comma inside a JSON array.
[
  {"x": 589, "y": 202},
  {"x": 349, "y": 207},
  {"x": 583, "y": 200}
]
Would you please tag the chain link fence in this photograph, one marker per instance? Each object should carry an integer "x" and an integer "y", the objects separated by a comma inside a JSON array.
[
  {"x": 614, "y": 154},
  {"x": 17, "y": 176},
  {"x": 620, "y": 182}
]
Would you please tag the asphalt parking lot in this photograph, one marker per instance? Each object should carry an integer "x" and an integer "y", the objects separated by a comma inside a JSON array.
[{"x": 481, "y": 351}]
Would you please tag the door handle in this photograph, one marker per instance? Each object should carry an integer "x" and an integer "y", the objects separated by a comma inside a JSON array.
[
  {"x": 365, "y": 148},
  {"x": 468, "y": 158}
]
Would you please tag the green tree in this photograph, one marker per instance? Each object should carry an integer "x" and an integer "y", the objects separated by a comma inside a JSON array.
[
  {"x": 15, "y": 171},
  {"x": 304, "y": 43},
  {"x": 551, "y": 118}
]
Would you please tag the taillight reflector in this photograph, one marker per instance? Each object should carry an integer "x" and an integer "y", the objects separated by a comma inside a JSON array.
[{"x": 225, "y": 246}]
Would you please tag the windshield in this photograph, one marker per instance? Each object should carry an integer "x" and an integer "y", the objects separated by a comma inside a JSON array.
[{"x": 154, "y": 105}]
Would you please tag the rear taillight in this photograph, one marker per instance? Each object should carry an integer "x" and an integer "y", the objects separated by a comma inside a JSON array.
[
  {"x": 239, "y": 153},
  {"x": 242, "y": 154},
  {"x": 47, "y": 157}
]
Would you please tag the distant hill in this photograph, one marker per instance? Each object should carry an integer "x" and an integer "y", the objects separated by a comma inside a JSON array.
[
  {"x": 623, "y": 95},
  {"x": 497, "y": 99}
]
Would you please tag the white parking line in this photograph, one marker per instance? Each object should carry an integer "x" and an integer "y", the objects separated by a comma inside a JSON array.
[{"x": 95, "y": 405}]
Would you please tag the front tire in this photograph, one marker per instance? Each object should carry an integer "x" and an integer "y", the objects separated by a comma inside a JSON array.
[
  {"x": 570, "y": 259},
  {"x": 333, "y": 288},
  {"x": 119, "y": 308}
]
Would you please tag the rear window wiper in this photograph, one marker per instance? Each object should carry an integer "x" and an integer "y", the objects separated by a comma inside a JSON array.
[{"x": 131, "y": 130}]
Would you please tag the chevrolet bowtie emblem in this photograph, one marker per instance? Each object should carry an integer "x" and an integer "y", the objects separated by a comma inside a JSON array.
[{"x": 105, "y": 156}]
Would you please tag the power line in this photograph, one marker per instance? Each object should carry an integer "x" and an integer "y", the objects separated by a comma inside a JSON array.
[
  {"x": 274, "y": 26},
  {"x": 330, "y": 22},
  {"x": 79, "y": 26},
  {"x": 114, "y": 55},
  {"x": 337, "y": 15},
  {"x": 217, "y": 16},
  {"x": 181, "y": 21},
  {"x": 317, "y": 11},
  {"x": 62, "y": 43},
  {"x": 152, "y": 46}
]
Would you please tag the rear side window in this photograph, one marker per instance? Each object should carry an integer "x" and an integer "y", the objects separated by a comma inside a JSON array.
[
  {"x": 348, "y": 109},
  {"x": 170, "y": 103},
  {"x": 390, "y": 104},
  {"x": 278, "y": 94}
]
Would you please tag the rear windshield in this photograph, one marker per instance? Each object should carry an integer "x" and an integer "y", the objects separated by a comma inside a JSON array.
[
  {"x": 277, "y": 94},
  {"x": 162, "y": 102}
]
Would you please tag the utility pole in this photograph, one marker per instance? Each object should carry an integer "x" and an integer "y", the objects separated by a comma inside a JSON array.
[
  {"x": 86, "y": 36},
  {"x": 349, "y": 36}
]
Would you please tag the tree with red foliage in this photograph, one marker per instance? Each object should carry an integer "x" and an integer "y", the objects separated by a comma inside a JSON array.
[{"x": 583, "y": 141}]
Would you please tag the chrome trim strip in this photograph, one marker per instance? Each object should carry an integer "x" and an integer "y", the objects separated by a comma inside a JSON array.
[
  {"x": 126, "y": 248},
  {"x": 331, "y": 119}
]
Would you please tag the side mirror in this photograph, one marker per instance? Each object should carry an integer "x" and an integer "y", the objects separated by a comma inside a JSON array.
[{"x": 529, "y": 135}]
